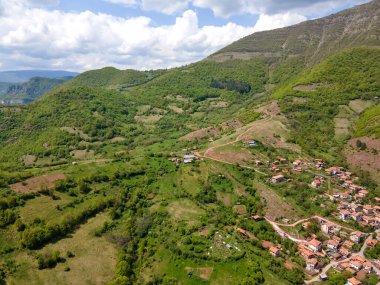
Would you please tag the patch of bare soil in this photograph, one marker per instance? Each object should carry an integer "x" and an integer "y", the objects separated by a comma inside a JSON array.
[
  {"x": 37, "y": 183},
  {"x": 175, "y": 108},
  {"x": 83, "y": 154},
  {"x": 360, "y": 105},
  {"x": 271, "y": 109},
  {"x": 29, "y": 159},
  {"x": 202, "y": 272},
  {"x": 75, "y": 131},
  {"x": 270, "y": 131},
  {"x": 276, "y": 206},
  {"x": 368, "y": 159},
  {"x": 290, "y": 265},
  {"x": 311, "y": 87},
  {"x": 230, "y": 156},
  {"x": 225, "y": 198},
  {"x": 201, "y": 134},
  {"x": 117, "y": 139}
]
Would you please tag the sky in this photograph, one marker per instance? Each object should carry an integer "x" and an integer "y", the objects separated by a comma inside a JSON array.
[{"x": 79, "y": 35}]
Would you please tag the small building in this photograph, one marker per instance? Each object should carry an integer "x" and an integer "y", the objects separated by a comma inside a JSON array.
[
  {"x": 275, "y": 251},
  {"x": 368, "y": 209},
  {"x": 311, "y": 264},
  {"x": 371, "y": 242},
  {"x": 356, "y": 236},
  {"x": 357, "y": 216},
  {"x": 323, "y": 277},
  {"x": 317, "y": 183},
  {"x": 278, "y": 178},
  {"x": 337, "y": 239},
  {"x": 356, "y": 207},
  {"x": 335, "y": 170},
  {"x": 345, "y": 195},
  {"x": 353, "y": 281},
  {"x": 344, "y": 251},
  {"x": 189, "y": 158},
  {"x": 357, "y": 265},
  {"x": 367, "y": 266},
  {"x": 256, "y": 218},
  {"x": 314, "y": 245},
  {"x": 328, "y": 228},
  {"x": 332, "y": 244},
  {"x": 345, "y": 215},
  {"x": 252, "y": 143},
  {"x": 348, "y": 244}
]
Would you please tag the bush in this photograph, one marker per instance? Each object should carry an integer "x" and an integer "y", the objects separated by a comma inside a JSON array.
[{"x": 49, "y": 260}]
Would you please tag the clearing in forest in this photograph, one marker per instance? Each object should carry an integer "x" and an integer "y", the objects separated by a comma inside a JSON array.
[
  {"x": 35, "y": 184},
  {"x": 201, "y": 272}
]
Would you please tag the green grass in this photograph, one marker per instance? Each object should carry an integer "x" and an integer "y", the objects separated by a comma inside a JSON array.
[
  {"x": 369, "y": 123},
  {"x": 93, "y": 262}
]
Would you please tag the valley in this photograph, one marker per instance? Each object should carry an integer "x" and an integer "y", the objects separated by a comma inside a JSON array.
[{"x": 256, "y": 165}]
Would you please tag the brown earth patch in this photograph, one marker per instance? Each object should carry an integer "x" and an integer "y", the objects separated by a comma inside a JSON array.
[
  {"x": 271, "y": 109},
  {"x": 368, "y": 159},
  {"x": 75, "y": 131},
  {"x": 360, "y": 105},
  {"x": 229, "y": 156},
  {"x": 201, "y": 134},
  {"x": 225, "y": 198},
  {"x": 29, "y": 159},
  {"x": 270, "y": 131},
  {"x": 240, "y": 209},
  {"x": 117, "y": 139},
  {"x": 175, "y": 108},
  {"x": 202, "y": 272},
  {"x": 83, "y": 154},
  {"x": 289, "y": 265},
  {"x": 37, "y": 183}
]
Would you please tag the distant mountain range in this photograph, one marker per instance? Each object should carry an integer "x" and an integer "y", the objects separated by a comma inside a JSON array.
[
  {"x": 23, "y": 93},
  {"x": 19, "y": 76}
]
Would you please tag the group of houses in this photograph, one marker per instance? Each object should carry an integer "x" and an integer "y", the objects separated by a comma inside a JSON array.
[
  {"x": 364, "y": 215},
  {"x": 358, "y": 266}
]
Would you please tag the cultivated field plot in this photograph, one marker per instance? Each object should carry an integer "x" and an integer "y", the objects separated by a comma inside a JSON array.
[
  {"x": 185, "y": 210},
  {"x": 37, "y": 183},
  {"x": 201, "y": 272}
]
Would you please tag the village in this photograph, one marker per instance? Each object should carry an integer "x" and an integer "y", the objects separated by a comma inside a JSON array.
[{"x": 340, "y": 246}]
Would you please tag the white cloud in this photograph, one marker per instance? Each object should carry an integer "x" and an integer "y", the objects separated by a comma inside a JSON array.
[
  {"x": 228, "y": 8},
  {"x": 123, "y": 2},
  {"x": 41, "y": 38},
  {"x": 270, "y": 22}
]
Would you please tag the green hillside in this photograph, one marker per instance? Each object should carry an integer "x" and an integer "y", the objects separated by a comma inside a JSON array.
[
  {"x": 110, "y": 77},
  {"x": 95, "y": 188},
  {"x": 369, "y": 123},
  {"x": 315, "y": 97}
]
